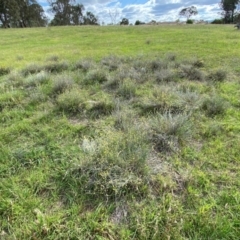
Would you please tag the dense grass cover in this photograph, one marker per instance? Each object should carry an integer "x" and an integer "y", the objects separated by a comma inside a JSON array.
[{"x": 136, "y": 136}]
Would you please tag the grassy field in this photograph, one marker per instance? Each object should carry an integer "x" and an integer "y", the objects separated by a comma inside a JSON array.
[{"x": 120, "y": 133}]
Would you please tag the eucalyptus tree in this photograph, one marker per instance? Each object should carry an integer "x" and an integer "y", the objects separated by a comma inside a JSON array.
[
  {"x": 188, "y": 12},
  {"x": 21, "y": 13},
  {"x": 228, "y": 9}
]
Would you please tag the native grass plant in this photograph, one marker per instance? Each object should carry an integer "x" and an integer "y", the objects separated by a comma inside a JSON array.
[
  {"x": 189, "y": 100},
  {"x": 127, "y": 89},
  {"x": 95, "y": 76},
  {"x": 214, "y": 105},
  {"x": 56, "y": 67},
  {"x": 72, "y": 101},
  {"x": 163, "y": 99},
  {"x": 84, "y": 65},
  {"x": 169, "y": 131},
  {"x": 10, "y": 99},
  {"x": 164, "y": 75},
  {"x": 37, "y": 79},
  {"x": 32, "y": 68},
  {"x": 53, "y": 58},
  {"x": 4, "y": 71},
  {"x": 218, "y": 75},
  {"x": 112, "y": 62},
  {"x": 116, "y": 168},
  {"x": 61, "y": 83},
  {"x": 191, "y": 73},
  {"x": 97, "y": 109}
]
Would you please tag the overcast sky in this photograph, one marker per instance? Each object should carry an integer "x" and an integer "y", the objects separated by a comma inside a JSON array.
[{"x": 147, "y": 10}]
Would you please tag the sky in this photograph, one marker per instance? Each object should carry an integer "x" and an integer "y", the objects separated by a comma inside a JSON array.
[{"x": 112, "y": 11}]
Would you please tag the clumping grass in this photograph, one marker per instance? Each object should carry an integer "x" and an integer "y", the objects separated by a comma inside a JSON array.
[
  {"x": 191, "y": 73},
  {"x": 61, "y": 83},
  {"x": 84, "y": 64},
  {"x": 95, "y": 76},
  {"x": 4, "y": 71},
  {"x": 214, "y": 106},
  {"x": 217, "y": 76},
  {"x": 127, "y": 89},
  {"x": 71, "y": 101},
  {"x": 98, "y": 149},
  {"x": 169, "y": 131}
]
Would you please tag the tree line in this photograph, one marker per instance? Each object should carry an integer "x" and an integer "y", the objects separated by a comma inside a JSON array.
[{"x": 29, "y": 13}]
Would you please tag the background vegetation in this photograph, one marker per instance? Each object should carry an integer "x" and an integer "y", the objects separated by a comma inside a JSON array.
[{"x": 120, "y": 133}]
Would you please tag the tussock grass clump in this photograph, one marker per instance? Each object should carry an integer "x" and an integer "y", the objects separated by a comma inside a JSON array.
[
  {"x": 156, "y": 64},
  {"x": 71, "y": 101},
  {"x": 95, "y": 76},
  {"x": 37, "y": 79},
  {"x": 61, "y": 83},
  {"x": 15, "y": 79},
  {"x": 127, "y": 89},
  {"x": 10, "y": 99},
  {"x": 191, "y": 73},
  {"x": 217, "y": 76},
  {"x": 195, "y": 62},
  {"x": 116, "y": 167},
  {"x": 56, "y": 67},
  {"x": 100, "y": 108},
  {"x": 4, "y": 71},
  {"x": 112, "y": 62},
  {"x": 53, "y": 58},
  {"x": 171, "y": 57},
  {"x": 37, "y": 97},
  {"x": 165, "y": 75},
  {"x": 189, "y": 100},
  {"x": 214, "y": 106},
  {"x": 169, "y": 131},
  {"x": 84, "y": 65},
  {"x": 32, "y": 68}
]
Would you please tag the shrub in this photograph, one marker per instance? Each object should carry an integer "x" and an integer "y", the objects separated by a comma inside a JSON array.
[
  {"x": 189, "y": 21},
  {"x": 217, "y": 76},
  {"x": 71, "y": 101},
  {"x": 214, "y": 105},
  {"x": 95, "y": 76},
  {"x": 217, "y": 21},
  {"x": 61, "y": 83}
]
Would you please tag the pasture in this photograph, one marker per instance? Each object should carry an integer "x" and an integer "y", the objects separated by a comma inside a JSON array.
[{"x": 120, "y": 132}]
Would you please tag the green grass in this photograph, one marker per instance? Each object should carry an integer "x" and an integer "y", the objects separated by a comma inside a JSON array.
[{"x": 120, "y": 133}]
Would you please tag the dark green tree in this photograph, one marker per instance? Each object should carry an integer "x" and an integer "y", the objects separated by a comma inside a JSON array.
[
  {"x": 188, "y": 12},
  {"x": 77, "y": 14},
  {"x": 228, "y": 10},
  {"x": 62, "y": 10},
  {"x": 124, "y": 21},
  {"x": 21, "y": 13},
  {"x": 90, "y": 19}
]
